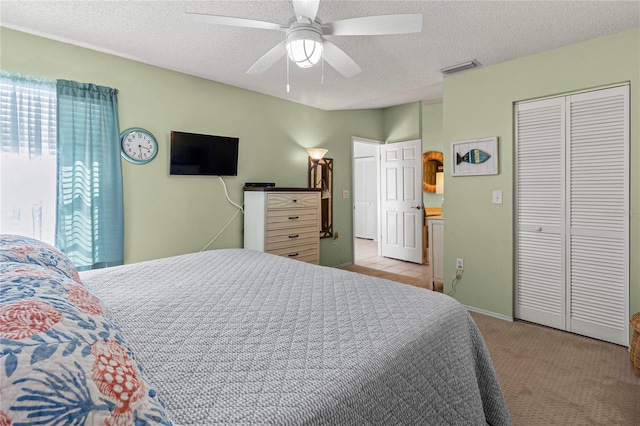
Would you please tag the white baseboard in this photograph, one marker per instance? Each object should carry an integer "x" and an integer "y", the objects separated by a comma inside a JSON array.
[{"x": 490, "y": 314}]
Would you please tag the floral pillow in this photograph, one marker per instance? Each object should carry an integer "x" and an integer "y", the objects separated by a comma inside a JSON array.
[
  {"x": 64, "y": 359},
  {"x": 16, "y": 248}
]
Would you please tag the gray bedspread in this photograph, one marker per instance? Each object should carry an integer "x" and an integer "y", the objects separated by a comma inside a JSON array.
[{"x": 243, "y": 337}]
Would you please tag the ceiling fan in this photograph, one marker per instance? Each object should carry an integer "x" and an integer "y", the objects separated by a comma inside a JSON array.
[{"x": 306, "y": 42}]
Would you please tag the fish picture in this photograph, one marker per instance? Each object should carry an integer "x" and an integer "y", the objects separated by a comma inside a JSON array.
[
  {"x": 474, "y": 156},
  {"x": 481, "y": 157}
]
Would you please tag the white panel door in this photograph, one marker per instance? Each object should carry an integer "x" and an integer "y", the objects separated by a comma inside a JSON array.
[
  {"x": 365, "y": 193},
  {"x": 359, "y": 191},
  {"x": 598, "y": 238},
  {"x": 540, "y": 288},
  {"x": 371, "y": 198},
  {"x": 401, "y": 200}
]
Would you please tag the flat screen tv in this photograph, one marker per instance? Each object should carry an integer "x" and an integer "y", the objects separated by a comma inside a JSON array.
[{"x": 195, "y": 154}]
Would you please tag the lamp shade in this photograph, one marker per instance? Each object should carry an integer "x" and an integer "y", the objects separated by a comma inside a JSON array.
[
  {"x": 316, "y": 153},
  {"x": 440, "y": 183}
]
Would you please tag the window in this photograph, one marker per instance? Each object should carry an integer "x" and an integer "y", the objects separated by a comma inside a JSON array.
[
  {"x": 60, "y": 175},
  {"x": 28, "y": 159}
]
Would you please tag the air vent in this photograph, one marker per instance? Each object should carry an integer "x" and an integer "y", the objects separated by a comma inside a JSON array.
[{"x": 460, "y": 67}]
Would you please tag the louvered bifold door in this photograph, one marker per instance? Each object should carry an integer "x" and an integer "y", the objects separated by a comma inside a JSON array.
[
  {"x": 540, "y": 285},
  {"x": 598, "y": 241}
]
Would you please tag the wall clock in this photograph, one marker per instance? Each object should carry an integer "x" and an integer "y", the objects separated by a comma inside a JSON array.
[{"x": 138, "y": 145}]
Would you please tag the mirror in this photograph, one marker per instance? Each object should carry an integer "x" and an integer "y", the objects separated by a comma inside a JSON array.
[
  {"x": 321, "y": 176},
  {"x": 432, "y": 163}
]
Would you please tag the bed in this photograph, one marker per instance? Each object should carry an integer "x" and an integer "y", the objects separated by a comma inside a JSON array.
[{"x": 239, "y": 337}]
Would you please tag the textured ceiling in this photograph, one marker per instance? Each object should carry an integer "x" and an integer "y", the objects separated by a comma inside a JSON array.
[{"x": 396, "y": 69}]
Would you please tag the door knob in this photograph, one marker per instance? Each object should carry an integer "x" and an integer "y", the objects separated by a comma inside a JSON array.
[
  {"x": 538, "y": 229},
  {"x": 416, "y": 207}
]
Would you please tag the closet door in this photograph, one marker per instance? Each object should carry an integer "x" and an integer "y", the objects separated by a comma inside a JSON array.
[
  {"x": 371, "y": 198},
  {"x": 365, "y": 193},
  {"x": 572, "y": 213},
  {"x": 540, "y": 288},
  {"x": 360, "y": 191},
  {"x": 598, "y": 238}
]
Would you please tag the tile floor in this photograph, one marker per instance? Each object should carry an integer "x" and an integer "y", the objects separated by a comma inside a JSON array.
[{"x": 366, "y": 254}]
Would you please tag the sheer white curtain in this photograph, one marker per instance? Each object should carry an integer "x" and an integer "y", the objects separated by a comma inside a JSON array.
[{"x": 28, "y": 159}]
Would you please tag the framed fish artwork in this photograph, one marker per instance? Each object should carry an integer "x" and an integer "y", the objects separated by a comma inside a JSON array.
[{"x": 474, "y": 157}]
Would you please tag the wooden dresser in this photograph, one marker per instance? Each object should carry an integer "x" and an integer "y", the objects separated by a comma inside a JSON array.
[{"x": 283, "y": 221}]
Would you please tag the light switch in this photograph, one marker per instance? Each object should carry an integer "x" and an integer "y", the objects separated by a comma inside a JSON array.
[
  {"x": 497, "y": 197},
  {"x": 345, "y": 193}
]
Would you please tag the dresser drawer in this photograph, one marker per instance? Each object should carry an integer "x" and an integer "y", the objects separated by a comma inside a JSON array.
[
  {"x": 291, "y": 234},
  {"x": 307, "y": 253},
  {"x": 286, "y": 238},
  {"x": 292, "y": 218},
  {"x": 292, "y": 200},
  {"x": 289, "y": 244}
]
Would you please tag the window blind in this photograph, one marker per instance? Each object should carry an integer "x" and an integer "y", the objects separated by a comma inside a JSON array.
[{"x": 28, "y": 137}]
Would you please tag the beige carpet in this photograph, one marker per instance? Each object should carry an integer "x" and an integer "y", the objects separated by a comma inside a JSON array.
[{"x": 550, "y": 377}]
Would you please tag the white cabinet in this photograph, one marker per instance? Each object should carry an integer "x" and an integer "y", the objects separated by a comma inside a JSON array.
[
  {"x": 436, "y": 249},
  {"x": 283, "y": 221}
]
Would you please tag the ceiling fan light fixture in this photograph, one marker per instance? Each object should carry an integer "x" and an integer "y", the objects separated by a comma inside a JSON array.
[
  {"x": 304, "y": 53},
  {"x": 304, "y": 45}
]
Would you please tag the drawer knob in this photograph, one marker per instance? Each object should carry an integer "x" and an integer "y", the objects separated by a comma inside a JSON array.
[
  {"x": 294, "y": 236},
  {"x": 294, "y": 217},
  {"x": 293, "y": 254},
  {"x": 295, "y": 201}
]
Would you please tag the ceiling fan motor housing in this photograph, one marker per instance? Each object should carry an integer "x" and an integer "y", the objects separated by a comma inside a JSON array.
[{"x": 304, "y": 43}]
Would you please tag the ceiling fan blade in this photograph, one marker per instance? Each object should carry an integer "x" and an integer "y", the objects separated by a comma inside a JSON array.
[
  {"x": 375, "y": 25},
  {"x": 306, "y": 9},
  {"x": 339, "y": 60},
  {"x": 233, "y": 22},
  {"x": 268, "y": 59}
]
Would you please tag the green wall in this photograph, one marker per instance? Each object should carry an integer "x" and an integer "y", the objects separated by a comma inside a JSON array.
[
  {"x": 479, "y": 103},
  {"x": 402, "y": 122},
  {"x": 432, "y": 140},
  {"x": 168, "y": 215}
]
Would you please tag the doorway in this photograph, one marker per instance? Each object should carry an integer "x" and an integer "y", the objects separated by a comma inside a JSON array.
[
  {"x": 366, "y": 216},
  {"x": 366, "y": 197}
]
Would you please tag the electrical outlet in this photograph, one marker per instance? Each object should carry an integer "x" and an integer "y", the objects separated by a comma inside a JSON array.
[
  {"x": 345, "y": 193},
  {"x": 460, "y": 264}
]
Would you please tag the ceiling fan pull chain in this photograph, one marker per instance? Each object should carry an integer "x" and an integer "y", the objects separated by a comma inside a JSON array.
[
  {"x": 287, "y": 59},
  {"x": 322, "y": 67}
]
